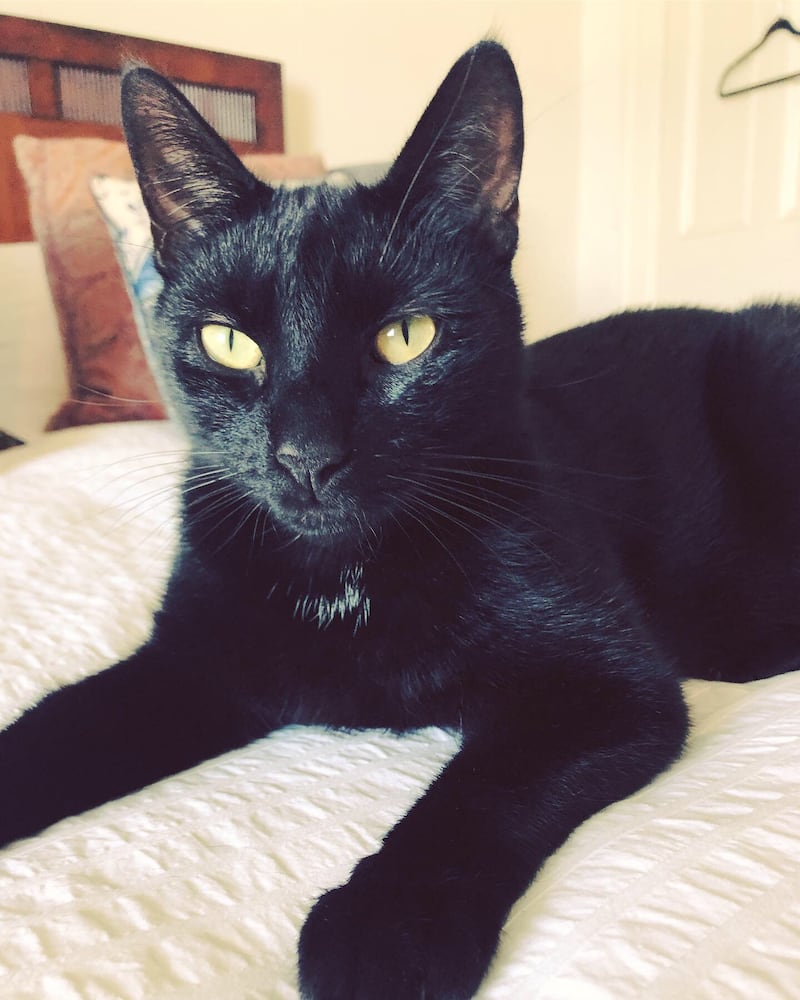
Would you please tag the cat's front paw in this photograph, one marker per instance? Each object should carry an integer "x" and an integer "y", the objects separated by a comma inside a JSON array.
[{"x": 387, "y": 939}]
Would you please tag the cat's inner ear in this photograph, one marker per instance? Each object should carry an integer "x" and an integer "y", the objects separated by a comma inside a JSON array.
[
  {"x": 468, "y": 144},
  {"x": 191, "y": 180}
]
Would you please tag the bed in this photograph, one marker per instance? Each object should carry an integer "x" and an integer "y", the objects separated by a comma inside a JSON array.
[{"x": 197, "y": 887}]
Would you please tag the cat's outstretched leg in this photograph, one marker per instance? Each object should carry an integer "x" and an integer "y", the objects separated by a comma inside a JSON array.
[
  {"x": 108, "y": 735},
  {"x": 422, "y": 917}
]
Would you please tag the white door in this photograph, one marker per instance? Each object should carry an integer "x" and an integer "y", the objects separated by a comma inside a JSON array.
[{"x": 702, "y": 202}]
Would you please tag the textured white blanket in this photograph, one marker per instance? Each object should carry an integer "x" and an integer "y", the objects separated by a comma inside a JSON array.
[{"x": 196, "y": 888}]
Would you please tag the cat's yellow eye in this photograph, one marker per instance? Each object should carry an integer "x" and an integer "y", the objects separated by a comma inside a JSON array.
[
  {"x": 405, "y": 340},
  {"x": 230, "y": 347}
]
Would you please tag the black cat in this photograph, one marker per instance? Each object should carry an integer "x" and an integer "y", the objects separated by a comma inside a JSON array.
[{"x": 433, "y": 524}]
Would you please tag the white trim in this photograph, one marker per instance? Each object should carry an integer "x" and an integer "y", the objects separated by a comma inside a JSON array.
[{"x": 620, "y": 144}]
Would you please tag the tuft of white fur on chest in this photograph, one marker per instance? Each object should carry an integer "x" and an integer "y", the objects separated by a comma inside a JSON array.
[{"x": 349, "y": 600}]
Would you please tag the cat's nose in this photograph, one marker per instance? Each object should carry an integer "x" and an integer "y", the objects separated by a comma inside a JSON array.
[{"x": 311, "y": 469}]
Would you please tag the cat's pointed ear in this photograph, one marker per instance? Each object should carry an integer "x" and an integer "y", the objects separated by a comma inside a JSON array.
[
  {"x": 467, "y": 147},
  {"x": 191, "y": 180}
]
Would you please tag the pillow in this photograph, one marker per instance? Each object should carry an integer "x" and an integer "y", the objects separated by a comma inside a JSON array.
[
  {"x": 109, "y": 377},
  {"x": 122, "y": 207}
]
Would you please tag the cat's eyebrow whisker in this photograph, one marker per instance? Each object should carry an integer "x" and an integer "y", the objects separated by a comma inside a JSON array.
[
  {"x": 130, "y": 243},
  {"x": 468, "y": 166},
  {"x": 500, "y": 291},
  {"x": 425, "y": 158}
]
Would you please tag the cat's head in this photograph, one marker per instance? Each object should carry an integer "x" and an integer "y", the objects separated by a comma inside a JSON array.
[{"x": 327, "y": 345}]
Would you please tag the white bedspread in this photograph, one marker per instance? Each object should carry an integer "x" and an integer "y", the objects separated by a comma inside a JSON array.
[{"x": 196, "y": 888}]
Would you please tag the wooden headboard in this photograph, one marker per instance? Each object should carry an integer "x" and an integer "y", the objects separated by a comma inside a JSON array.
[{"x": 60, "y": 81}]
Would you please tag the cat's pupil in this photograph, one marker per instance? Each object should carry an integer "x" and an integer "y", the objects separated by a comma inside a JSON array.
[
  {"x": 404, "y": 329},
  {"x": 230, "y": 339}
]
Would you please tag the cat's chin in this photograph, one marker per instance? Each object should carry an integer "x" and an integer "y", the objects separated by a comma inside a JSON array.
[{"x": 319, "y": 526}]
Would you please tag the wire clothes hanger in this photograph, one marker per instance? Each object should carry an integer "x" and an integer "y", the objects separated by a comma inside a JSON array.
[{"x": 782, "y": 24}]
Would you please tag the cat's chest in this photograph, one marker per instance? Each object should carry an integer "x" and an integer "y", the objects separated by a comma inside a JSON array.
[{"x": 395, "y": 650}]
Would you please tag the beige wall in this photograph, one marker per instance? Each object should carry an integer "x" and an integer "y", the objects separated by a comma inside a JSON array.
[{"x": 357, "y": 75}]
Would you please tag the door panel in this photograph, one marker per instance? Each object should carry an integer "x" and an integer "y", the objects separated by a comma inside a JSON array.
[{"x": 687, "y": 197}]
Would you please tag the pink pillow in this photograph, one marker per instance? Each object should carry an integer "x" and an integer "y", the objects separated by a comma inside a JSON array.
[{"x": 108, "y": 373}]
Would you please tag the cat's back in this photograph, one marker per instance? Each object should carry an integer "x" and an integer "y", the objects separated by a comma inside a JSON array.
[
  {"x": 664, "y": 372},
  {"x": 669, "y": 440}
]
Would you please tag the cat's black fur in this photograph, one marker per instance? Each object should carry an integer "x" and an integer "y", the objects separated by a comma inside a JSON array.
[{"x": 532, "y": 544}]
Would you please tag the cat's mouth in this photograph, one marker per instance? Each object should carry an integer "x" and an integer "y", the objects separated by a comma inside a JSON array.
[
  {"x": 317, "y": 523},
  {"x": 323, "y": 519}
]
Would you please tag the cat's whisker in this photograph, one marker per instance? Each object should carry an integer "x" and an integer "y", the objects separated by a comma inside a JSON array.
[
  {"x": 133, "y": 503},
  {"x": 134, "y": 462},
  {"x": 398, "y": 522},
  {"x": 215, "y": 499},
  {"x": 123, "y": 482},
  {"x": 170, "y": 474},
  {"x": 489, "y": 477},
  {"x": 172, "y": 464},
  {"x": 260, "y": 512},
  {"x": 174, "y": 484},
  {"x": 139, "y": 506},
  {"x": 476, "y": 479},
  {"x": 460, "y": 525},
  {"x": 153, "y": 498},
  {"x": 552, "y": 491},
  {"x": 413, "y": 511},
  {"x": 224, "y": 510},
  {"x": 250, "y": 507},
  {"x": 489, "y": 498},
  {"x": 480, "y": 494},
  {"x": 537, "y": 463},
  {"x": 292, "y": 540},
  {"x": 476, "y": 512},
  {"x": 507, "y": 292}
]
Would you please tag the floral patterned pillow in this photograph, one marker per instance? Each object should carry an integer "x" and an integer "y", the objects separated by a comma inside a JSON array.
[{"x": 120, "y": 203}]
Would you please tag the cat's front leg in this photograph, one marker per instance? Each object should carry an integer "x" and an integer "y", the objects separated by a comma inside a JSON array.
[
  {"x": 110, "y": 734},
  {"x": 422, "y": 917}
]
